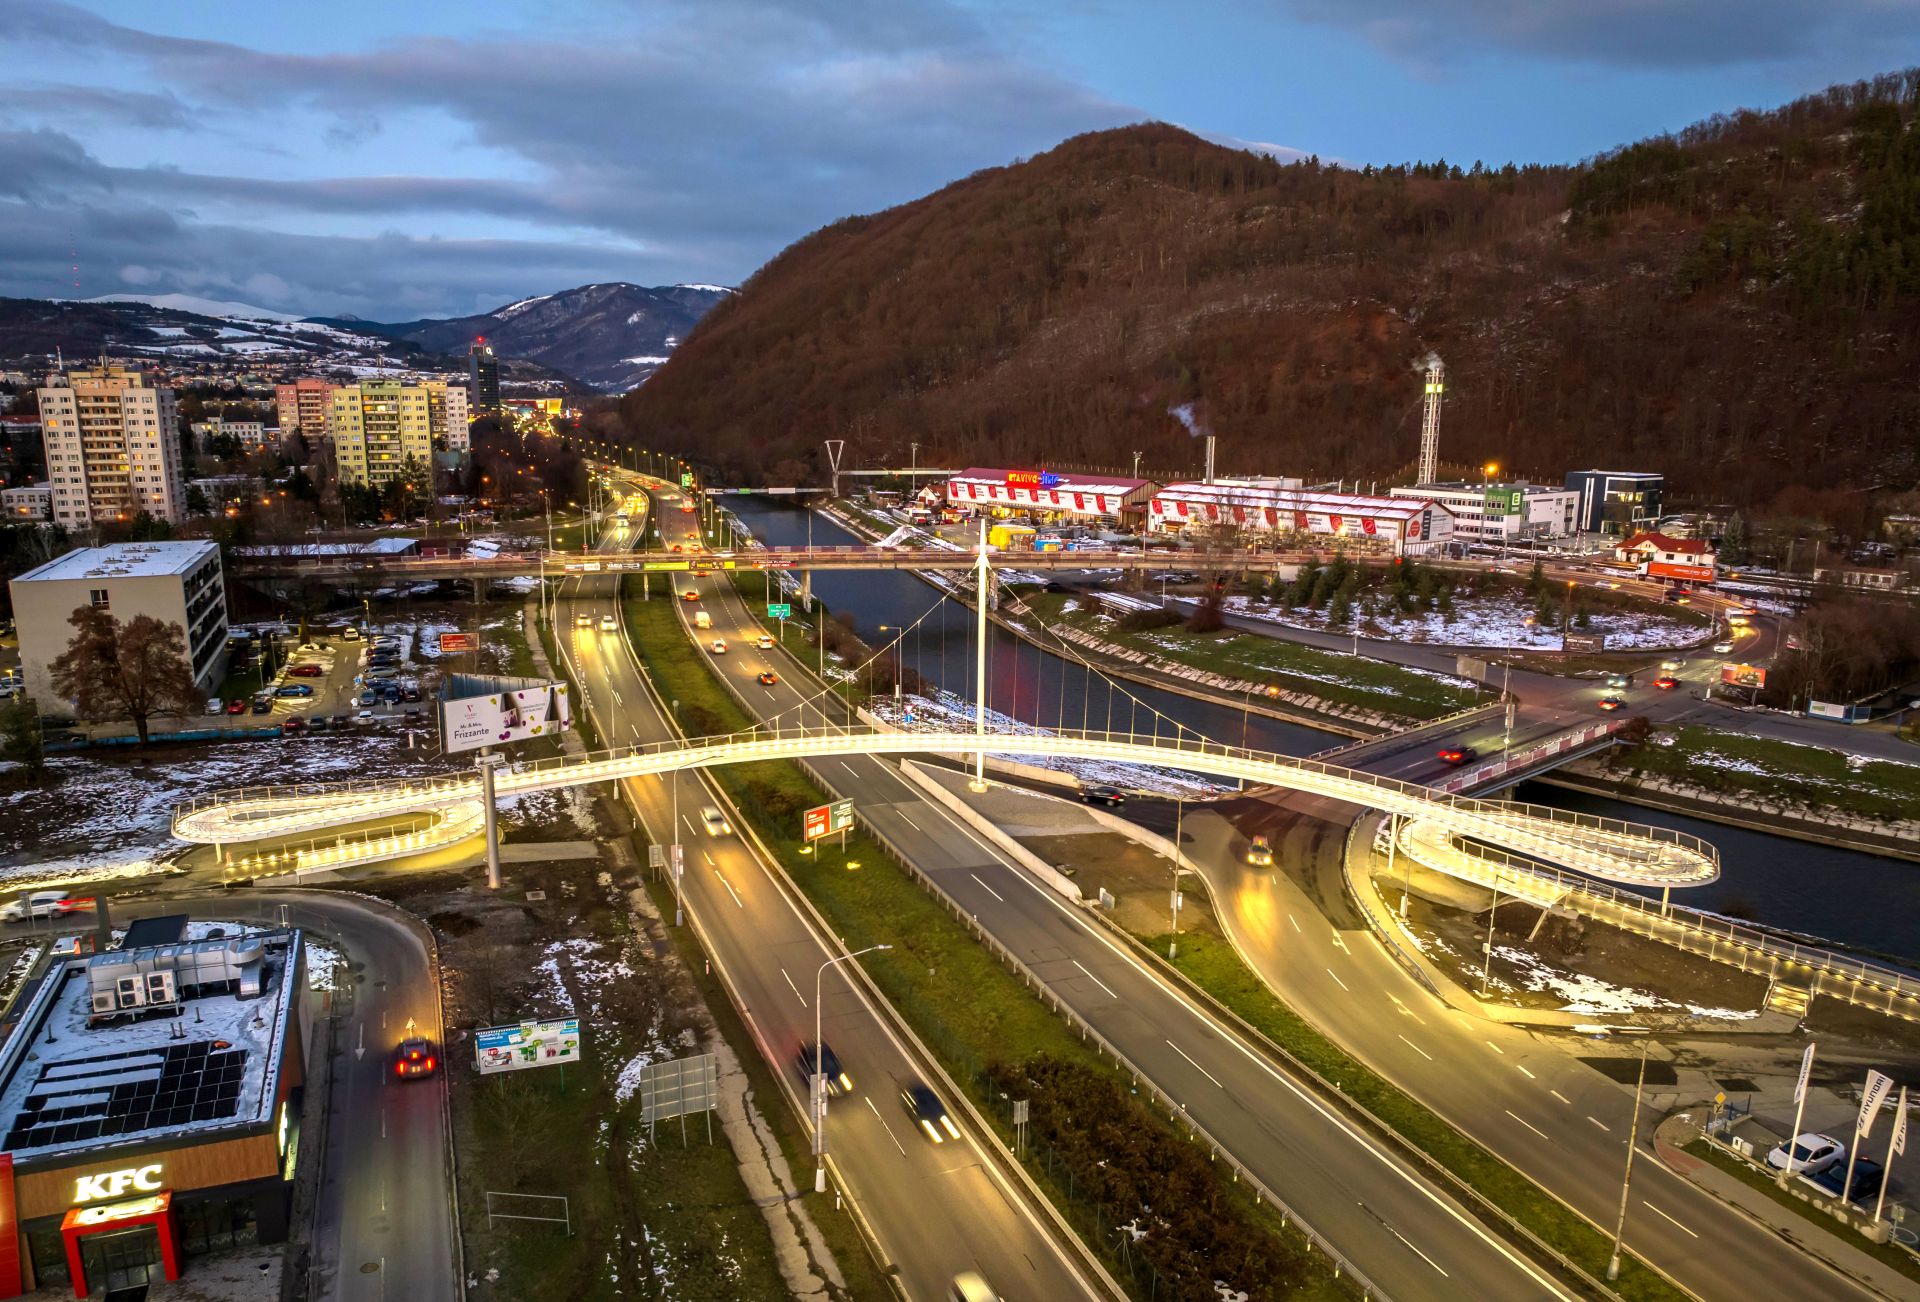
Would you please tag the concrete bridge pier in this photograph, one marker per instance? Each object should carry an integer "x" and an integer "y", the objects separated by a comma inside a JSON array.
[{"x": 806, "y": 590}]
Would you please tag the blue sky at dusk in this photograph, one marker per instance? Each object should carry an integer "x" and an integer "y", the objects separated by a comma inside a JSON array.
[{"x": 433, "y": 158}]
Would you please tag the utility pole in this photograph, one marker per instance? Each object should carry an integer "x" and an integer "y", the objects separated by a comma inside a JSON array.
[
  {"x": 818, "y": 1093},
  {"x": 983, "y": 580},
  {"x": 1626, "y": 1181}
]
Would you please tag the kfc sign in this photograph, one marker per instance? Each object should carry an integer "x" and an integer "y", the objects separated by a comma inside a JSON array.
[{"x": 114, "y": 1184}]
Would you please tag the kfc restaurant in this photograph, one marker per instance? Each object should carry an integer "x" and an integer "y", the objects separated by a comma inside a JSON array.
[
  {"x": 1047, "y": 496},
  {"x": 1406, "y": 526},
  {"x": 150, "y": 1108}
]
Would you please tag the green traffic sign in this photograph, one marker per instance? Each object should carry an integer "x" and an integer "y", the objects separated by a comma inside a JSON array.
[
  {"x": 779, "y": 610},
  {"x": 686, "y": 479}
]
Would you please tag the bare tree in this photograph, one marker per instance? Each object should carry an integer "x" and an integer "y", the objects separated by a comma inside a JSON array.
[{"x": 135, "y": 671}]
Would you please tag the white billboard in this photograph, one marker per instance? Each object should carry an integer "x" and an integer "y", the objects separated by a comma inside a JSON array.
[
  {"x": 550, "y": 1043},
  {"x": 512, "y": 711}
]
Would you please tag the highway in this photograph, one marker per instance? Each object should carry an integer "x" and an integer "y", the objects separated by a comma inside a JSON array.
[
  {"x": 936, "y": 1210},
  {"x": 1411, "y": 1238}
]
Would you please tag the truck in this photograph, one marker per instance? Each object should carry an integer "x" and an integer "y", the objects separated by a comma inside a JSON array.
[
  {"x": 1010, "y": 537},
  {"x": 701, "y": 619}
]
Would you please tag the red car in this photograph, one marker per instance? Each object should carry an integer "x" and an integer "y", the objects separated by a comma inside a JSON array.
[
  {"x": 1457, "y": 754},
  {"x": 238, "y": 705},
  {"x": 307, "y": 671},
  {"x": 1667, "y": 683},
  {"x": 1611, "y": 703},
  {"x": 415, "y": 1059},
  {"x": 769, "y": 678}
]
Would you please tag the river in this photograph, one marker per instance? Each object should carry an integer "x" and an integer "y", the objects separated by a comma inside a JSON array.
[{"x": 1857, "y": 899}]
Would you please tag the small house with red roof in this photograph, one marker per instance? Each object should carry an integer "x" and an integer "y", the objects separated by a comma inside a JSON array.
[{"x": 1660, "y": 556}]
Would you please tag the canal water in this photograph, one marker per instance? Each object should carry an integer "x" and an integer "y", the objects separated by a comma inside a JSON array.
[{"x": 1857, "y": 899}]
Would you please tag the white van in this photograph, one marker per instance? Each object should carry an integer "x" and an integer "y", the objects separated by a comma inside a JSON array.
[
  {"x": 701, "y": 619},
  {"x": 40, "y": 904}
]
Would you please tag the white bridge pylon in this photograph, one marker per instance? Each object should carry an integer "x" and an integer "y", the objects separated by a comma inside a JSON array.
[{"x": 1609, "y": 849}]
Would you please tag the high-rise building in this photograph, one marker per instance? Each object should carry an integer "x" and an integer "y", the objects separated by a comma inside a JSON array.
[
  {"x": 112, "y": 447},
  {"x": 483, "y": 378},
  {"x": 447, "y": 412},
  {"x": 304, "y": 407},
  {"x": 378, "y": 427}
]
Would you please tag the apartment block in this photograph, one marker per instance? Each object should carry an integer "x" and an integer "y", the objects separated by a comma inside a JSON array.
[
  {"x": 112, "y": 447},
  {"x": 378, "y": 426},
  {"x": 304, "y": 406},
  {"x": 447, "y": 413}
]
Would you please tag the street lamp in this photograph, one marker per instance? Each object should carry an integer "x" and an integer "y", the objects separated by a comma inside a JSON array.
[
  {"x": 818, "y": 1084},
  {"x": 1626, "y": 1180}
]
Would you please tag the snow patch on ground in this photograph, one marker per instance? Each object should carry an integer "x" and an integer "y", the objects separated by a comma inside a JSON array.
[
  {"x": 1493, "y": 621},
  {"x": 1588, "y": 994}
]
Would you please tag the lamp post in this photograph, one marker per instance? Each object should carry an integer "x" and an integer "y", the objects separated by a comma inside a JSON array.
[
  {"x": 1626, "y": 1180},
  {"x": 899, "y": 685},
  {"x": 819, "y": 1082}
]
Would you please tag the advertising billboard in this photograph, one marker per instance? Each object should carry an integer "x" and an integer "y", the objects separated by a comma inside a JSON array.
[
  {"x": 1754, "y": 676},
  {"x": 479, "y": 711},
  {"x": 550, "y": 1043},
  {"x": 453, "y": 644},
  {"x": 1583, "y": 643},
  {"x": 1686, "y": 573},
  {"x": 825, "y": 820}
]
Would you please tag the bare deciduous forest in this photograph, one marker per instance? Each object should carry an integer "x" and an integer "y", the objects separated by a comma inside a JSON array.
[{"x": 1735, "y": 304}]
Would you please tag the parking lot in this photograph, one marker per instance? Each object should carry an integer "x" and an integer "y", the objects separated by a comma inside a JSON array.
[{"x": 337, "y": 683}]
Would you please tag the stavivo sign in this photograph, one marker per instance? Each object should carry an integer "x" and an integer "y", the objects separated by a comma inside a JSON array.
[{"x": 114, "y": 1184}]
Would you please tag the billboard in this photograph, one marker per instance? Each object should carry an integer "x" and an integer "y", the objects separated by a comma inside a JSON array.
[
  {"x": 1584, "y": 643},
  {"x": 825, "y": 820},
  {"x": 1754, "y": 676},
  {"x": 550, "y": 1043},
  {"x": 453, "y": 644},
  {"x": 1688, "y": 573},
  {"x": 1503, "y": 501},
  {"x": 479, "y": 711}
]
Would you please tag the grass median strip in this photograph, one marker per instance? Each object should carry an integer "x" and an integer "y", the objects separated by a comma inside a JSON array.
[
  {"x": 1781, "y": 772},
  {"x": 972, "y": 1012}
]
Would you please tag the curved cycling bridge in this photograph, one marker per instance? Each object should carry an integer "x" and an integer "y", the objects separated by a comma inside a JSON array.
[{"x": 1609, "y": 849}]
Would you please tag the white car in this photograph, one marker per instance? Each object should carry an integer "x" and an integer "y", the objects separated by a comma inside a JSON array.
[
  {"x": 607, "y": 625},
  {"x": 715, "y": 822},
  {"x": 1812, "y": 1154},
  {"x": 349, "y": 634},
  {"x": 583, "y": 621},
  {"x": 719, "y": 646},
  {"x": 40, "y": 904},
  {"x": 766, "y": 642},
  {"x": 1722, "y": 648}
]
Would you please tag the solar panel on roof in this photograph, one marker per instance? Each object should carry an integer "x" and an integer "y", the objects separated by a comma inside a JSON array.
[{"x": 197, "y": 1080}]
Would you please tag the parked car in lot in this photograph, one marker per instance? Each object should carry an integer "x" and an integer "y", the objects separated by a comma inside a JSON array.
[
  {"x": 1811, "y": 1153},
  {"x": 369, "y": 696},
  {"x": 318, "y": 723},
  {"x": 838, "y": 1082},
  {"x": 307, "y": 671},
  {"x": 409, "y": 691},
  {"x": 238, "y": 705},
  {"x": 293, "y": 690},
  {"x": 263, "y": 705},
  {"x": 715, "y": 822},
  {"x": 1456, "y": 755},
  {"x": 1867, "y": 1177},
  {"x": 290, "y": 726},
  {"x": 366, "y": 718},
  {"x": 925, "y": 1107},
  {"x": 340, "y": 721},
  {"x": 1099, "y": 793}
]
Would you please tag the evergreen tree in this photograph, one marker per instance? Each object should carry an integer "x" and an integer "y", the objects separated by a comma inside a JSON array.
[{"x": 1734, "y": 541}]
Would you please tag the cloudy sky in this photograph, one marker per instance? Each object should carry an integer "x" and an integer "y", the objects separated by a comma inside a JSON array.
[{"x": 427, "y": 158}]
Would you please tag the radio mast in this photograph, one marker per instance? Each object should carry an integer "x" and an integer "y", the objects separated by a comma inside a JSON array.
[{"x": 1430, "y": 422}]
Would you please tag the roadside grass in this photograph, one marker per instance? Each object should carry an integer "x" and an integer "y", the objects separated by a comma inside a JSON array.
[
  {"x": 1780, "y": 771},
  {"x": 1887, "y": 1254},
  {"x": 970, "y": 1011},
  {"x": 1331, "y": 675},
  {"x": 1211, "y": 963}
]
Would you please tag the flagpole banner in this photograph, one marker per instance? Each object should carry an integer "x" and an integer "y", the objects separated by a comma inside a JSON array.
[
  {"x": 1899, "y": 1147},
  {"x": 1806, "y": 1070},
  {"x": 1872, "y": 1099}
]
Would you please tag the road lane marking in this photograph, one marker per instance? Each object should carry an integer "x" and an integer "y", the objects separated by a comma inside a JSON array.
[
  {"x": 1096, "y": 980},
  {"x": 1524, "y": 1072},
  {"x": 1416, "y": 1252},
  {"x": 707, "y": 855},
  {"x": 1650, "y": 1207},
  {"x": 849, "y": 768},
  {"x": 1337, "y": 981},
  {"x": 729, "y": 885},
  {"x": 1563, "y": 1098},
  {"x": 1416, "y": 1048},
  {"x": 1341, "y": 943},
  {"x": 1528, "y": 1124},
  {"x": 883, "y": 1124},
  {"x": 1598, "y": 1122},
  {"x": 1296, "y": 925},
  {"x": 988, "y": 889},
  {"x": 796, "y": 989},
  {"x": 1403, "y": 1008},
  {"x": 1196, "y": 1066},
  {"x": 1496, "y": 1048},
  {"x": 909, "y": 822}
]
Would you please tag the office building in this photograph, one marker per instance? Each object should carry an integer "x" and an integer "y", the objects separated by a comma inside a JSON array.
[
  {"x": 483, "y": 378},
  {"x": 1501, "y": 513},
  {"x": 1284, "y": 509},
  {"x": 251, "y": 434},
  {"x": 447, "y": 414},
  {"x": 379, "y": 426},
  {"x": 175, "y": 582},
  {"x": 1618, "y": 502},
  {"x": 150, "y": 1101},
  {"x": 112, "y": 447},
  {"x": 305, "y": 406},
  {"x": 27, "y": 504}
]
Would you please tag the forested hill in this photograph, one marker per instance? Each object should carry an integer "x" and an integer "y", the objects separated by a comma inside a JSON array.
[{"x": 1735, "y": 304}]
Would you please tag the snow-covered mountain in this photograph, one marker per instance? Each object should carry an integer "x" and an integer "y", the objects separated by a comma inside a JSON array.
[{"x": 199, "y": 306}]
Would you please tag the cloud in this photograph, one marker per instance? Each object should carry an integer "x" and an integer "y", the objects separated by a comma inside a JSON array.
[
  {"x": 700, "y": 137},
  {"x": 72, "y": 105},
  {"x": 1655, "y": 34}
]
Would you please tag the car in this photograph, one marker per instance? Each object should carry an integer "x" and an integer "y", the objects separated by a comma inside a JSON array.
[
  {"x": 768, "y": 678},
  {"x": 1619, "y": 680},
  {"x": 365, "y": 718},
  {"x": 764, "y": 642},
  {"x": 1611, "y": 703},
  {"x": 715, "y": 822},
  {"x": 838, "y": 1082},
  {"x": 237, "y": 705},
  {"x": 607, "y": 624},
  {"x": 689, "y": 595},
  {"x": 1666, "y": 682},
  {"x": 1738, "y": 621},
  {"x": 1456, "y": 754},
  {"x": 1867, "y": 1177},
  {"x": 1743, "y": 610},
  {"x": 40, "y": 904},
  {"x": 290, "y": 726},
  {"x": 971, "y": 1286},
  {"x": 318, "y": 723},
  {"x": 390, "y": 693},
  {"x": 385, "y": 673},
  {"x": 341, "y": 721},
  {"x": 1811, "y": 1153},
  {"x": 1260, "y": 852},
  {"x": 214, "y": 704},
  {"x": 409, "y": 691},
  {"x": 583, "y": 621},
  {"x": 349, "y": 634},
  {"x": 1099, "y": 793},
  {"x": 290, "y": 691},
  {"x": 263, "y": 705},
  {"x": 1672, "y": 666},
  {"x": 1722, "y": 648},
  {"x": 719, "y": 646},
  {"x": 676, "y": 546},
  {"x": 369, "y": 696},
  {"x": 307, "y": 671},
  {"x": 925, "y": 1107},
  {"x": 416, "y": 716},
  {"x": 415, "y": 1059}
]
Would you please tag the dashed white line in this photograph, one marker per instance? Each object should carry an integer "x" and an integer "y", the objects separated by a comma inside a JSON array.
[
  {"x": 1416, "y": 1252},
  {"x": 1096, "y": 980},
  {"x": 1650, "y": 1207},
  {"x": 883, "y": 1124},
  {"x": 1337, "y": 981},
  {"x": 1563, "y": 1098},
  {"x": 908, "y": 821},
  {"x": 1528, "y": 1124},
  {"x": 729, "y": 885},
  {"x": 1598, "y": 1122},
  {"x": 709, "y": 858},
  {"x": 1524, "y": 1072},
  {"x": 1296, "y": 925},
  {"x": 988, "y": 889},
  {"x": 796, "y": 989},
  {"x": 1416, "y": 1048},
  {"x": 1496, "y": 1048},
  {"x": 1196, "y": 1066}
]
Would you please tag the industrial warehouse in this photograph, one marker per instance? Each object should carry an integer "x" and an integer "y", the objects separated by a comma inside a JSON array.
[{"x": 150, "y": 1100}]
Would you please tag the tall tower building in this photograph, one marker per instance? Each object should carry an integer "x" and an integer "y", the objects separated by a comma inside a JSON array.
[
  {"x": 113, "y": 447},
  {"x": 447, "y": 413},
  {"x": 379, "y": 426},
  {"x": 304, "y": 407},
  {"x": 483, "y": 378}
]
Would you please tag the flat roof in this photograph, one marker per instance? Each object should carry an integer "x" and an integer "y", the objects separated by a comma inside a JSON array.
[
  {"x": 68, "y": 1087},
  {"x": 123, "y": 560},
  {"x": 1300, "y": 499},
  {"x": 1113, "y": 485},
  {"x": 367, "y": 547}
]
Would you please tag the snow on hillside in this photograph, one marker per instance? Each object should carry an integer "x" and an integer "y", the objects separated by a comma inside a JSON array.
[
  {"x": 711, "y": 289},
  {"x": 201, "y": 306},
  {"x": 524, "y": 303}
]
